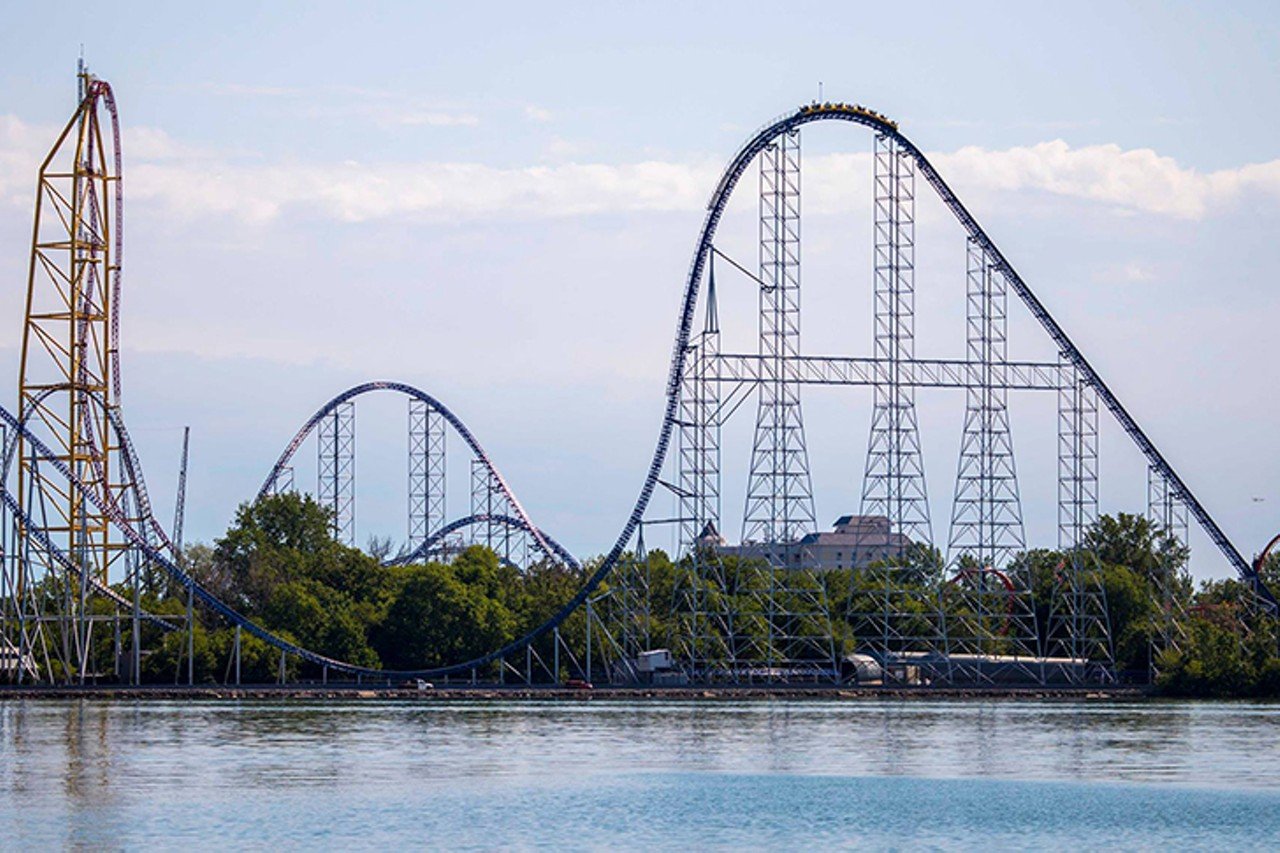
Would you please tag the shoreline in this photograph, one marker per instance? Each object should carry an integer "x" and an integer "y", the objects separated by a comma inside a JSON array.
[{"x": 497, "y": 693}]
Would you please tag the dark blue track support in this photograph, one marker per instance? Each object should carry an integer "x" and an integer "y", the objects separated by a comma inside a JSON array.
[
  {"x": 140, "y": 538},
  {"x": 1089, "y": 376}
]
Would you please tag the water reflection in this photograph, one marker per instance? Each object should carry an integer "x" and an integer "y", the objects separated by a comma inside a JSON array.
[{"x": 79, "y": 773}]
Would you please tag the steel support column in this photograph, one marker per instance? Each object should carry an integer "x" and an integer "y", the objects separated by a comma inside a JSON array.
[
  {"x": 990, "y": 607},
  {"x": 1169, "y": 515},
  {"x": 779, "y": 505},
  {"x": 1077, "y": 458},
  {"x": 426, "y": 472},
  {"x": 487, "y": 498},
  {"x": 986, "y": 518},
  {"x": 336, "y": 451},
  {"x": 698, "y": 437},
  {"x": 893, "y": 607},
  {"x": 1079, "y": 625},
  {"x": 894, "y": 483}
]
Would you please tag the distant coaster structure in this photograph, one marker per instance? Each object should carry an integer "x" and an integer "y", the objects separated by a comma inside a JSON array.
[{"x": 77, "y": 526}]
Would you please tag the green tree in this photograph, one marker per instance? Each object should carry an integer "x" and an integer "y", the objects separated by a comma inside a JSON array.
[
  {"x": 272, "y": 541},
  {"x": 1210, "y": 662},
  {"x": 322, "y": 619},
  {"x": 1134, "y": 542},
  {"x": 1132, "y": 609},
  {"x": 437, "y": 619}
]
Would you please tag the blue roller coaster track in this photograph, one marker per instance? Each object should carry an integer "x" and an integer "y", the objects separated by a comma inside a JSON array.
[
  {"x": 161, "y": 554},
  {"x": 552, "y": 552}
]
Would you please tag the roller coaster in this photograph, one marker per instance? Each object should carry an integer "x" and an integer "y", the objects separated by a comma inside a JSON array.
[{"x": 77, "y": 525}]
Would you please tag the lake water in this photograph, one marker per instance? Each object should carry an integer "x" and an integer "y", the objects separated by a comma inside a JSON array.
[{"x": 881, "y": 774}]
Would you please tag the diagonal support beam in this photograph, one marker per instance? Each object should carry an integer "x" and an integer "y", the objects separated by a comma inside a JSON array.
[
  {"x": 912, "y": 373},
  {"x": 894, "y": 483}
]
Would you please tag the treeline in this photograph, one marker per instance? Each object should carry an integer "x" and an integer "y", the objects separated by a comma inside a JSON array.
[
  {"x": 1225, "y": 647},
  {"x": 280, "y": 565}
]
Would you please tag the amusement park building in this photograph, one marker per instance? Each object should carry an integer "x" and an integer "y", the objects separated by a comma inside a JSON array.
[{"x": 855, "y": 542}]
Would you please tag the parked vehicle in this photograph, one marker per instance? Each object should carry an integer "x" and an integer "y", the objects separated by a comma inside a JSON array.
[{"x": 416, "y": 684}]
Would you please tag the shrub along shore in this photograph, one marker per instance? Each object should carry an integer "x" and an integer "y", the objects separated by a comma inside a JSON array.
[
  {"x": 280, "y": 564},
  {"x": 551, "y": 693}
]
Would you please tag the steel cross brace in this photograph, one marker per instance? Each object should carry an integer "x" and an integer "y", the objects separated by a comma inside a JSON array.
[{"x": 923, "y": 373}]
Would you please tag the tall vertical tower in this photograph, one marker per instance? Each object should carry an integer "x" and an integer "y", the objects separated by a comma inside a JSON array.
[
  {"x": 336, "y": 469},
  {"x": 986, "y": 518},
  {"x": 426, "y": 472},
  {"x": 69, "y": 385},
  {"x": 779, "y": 507},
  {"x": 894, "y": 483}
]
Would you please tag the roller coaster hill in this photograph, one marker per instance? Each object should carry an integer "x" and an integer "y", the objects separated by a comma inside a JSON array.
[{"x": 880, "y": 599}]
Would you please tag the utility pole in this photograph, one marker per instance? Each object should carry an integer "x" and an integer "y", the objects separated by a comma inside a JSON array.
[
  {"x": 179, "y": 512},
  {"x": 180, "y": 505}
]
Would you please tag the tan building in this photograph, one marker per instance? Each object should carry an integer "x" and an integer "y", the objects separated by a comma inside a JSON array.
[{"x": 855, "y": 542}]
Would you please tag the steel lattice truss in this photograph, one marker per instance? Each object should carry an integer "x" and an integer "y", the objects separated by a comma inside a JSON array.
[
  {"x": 336, "y": 470},
  {"x": 897, "y": 602},
  {"x": 905, "y": 606},
  {"x": 1079, "y": 626},
  {"x": 426, "y": 472},
  {"x": 493, "y": 503},
  {"x": 1077, "y": 458},
  {"x": 779, "y": 507},
  {"x": 75, "y": 516},
  {"x": 894, "y": 484},
  {"x": 489, "y": 499},
  {"x": 1169, "y": 515},
  {"x": 986, "y": 516}
]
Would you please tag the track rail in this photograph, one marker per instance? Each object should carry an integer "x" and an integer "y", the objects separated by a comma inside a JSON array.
[
  {"x": 432, "y": 542},
  {"x": 858, "y": 115},
  {"x": 555, "y": 554},
  {"x": 60, "y": 557},
  {"x": 680, "y": 348}
]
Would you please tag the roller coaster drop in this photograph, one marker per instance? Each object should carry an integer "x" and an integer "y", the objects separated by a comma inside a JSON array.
[{"x": 75, "y": 516}]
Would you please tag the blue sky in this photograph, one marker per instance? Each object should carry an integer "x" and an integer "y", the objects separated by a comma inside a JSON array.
[{"x": 498, "y": 204}]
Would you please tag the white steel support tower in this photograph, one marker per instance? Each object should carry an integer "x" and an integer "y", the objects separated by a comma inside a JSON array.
[
  {"x": 779, "y": 506},
  {"x": 1077, "y": 458},
  {"x": 893, "y": 608},
  {"x": 894, "y": 483},
  {"x": 426, "y": 472},
  {"x": 698, "y": 437},
  {"x": 986, "y": 518},
  {"x": 712, "y": 633},
  {"x": 993, "y": 612},
  {"x": 487, "y": 498},
  {"x": 336, "y": 469},
  {"x": 1079, "y": 624},
  {"x": 1169, "y": 516}
]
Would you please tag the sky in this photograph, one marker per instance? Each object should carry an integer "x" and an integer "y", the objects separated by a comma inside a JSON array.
[{"x": 498, "y": 205}]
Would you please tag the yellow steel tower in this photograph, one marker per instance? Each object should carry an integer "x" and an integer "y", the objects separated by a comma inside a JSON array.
[{"x": 68, "y": 383}]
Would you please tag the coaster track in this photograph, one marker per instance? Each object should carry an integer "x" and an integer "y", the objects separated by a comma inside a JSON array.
[
  {"x": 551, "y": 551},
  {"x": 140, "y": 536}
]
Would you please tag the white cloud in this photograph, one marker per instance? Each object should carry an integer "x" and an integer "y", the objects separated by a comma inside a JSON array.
[
  {"x": 536, "y": 113},
  {"x": 193, "y": 182},
  {"x": 383, "y": 107},
  {"x": 389, "y": 113},
  {"x": 251, "y": 90},
  {"x": 437, "y": 119},
  {"x": 355, "y": 192},
  {"x": 560, "y": 148},
  {"x": 1136, "y": 272},
  {"x": 1138, "y": 179},
  {"x": 1130, "y": 272}
]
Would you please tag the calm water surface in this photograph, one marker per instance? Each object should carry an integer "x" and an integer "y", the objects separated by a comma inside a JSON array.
[{"x": 954, "y": 775}]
